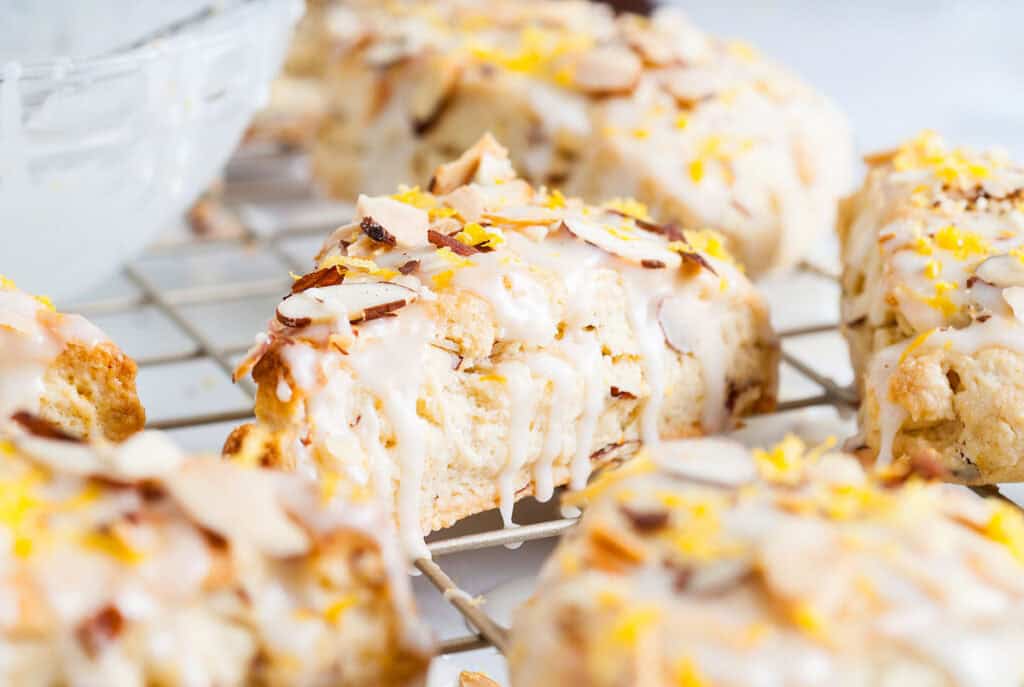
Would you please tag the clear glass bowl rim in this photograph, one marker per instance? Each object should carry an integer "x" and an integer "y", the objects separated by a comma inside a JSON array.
[{"x": 240, "y": 12}]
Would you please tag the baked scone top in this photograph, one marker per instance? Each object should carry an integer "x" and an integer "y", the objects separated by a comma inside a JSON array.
[
  {"x": 128, "y": 564},
  {"x": 484, "y": 266},
  {"x": 948, "y": 225},
  {"x": 32, "y": 335},
  {"x": 736, "y": 141},
  {"x": 934, "y": 260},
  {"x": 702, "y": 563}
]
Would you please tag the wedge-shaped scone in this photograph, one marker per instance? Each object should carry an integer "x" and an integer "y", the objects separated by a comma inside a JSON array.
[
  {"x": 700, "y": 564},
  {"x": 704, "y": 131},
  {"x": 457, "y": 350},
  {"x": 933, "y": 301},
  {"x": 65, "y": 369},
  {"x": 128, "y": 565}
]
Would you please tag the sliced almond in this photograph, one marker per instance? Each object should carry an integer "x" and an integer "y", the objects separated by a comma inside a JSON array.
[
  {"x": 406, "y": 224},
  {"x": 146, "y": 455},
  {"x": 716, "y": 462},
  {"x": 690, "y": 87},
  {"x": 42, "y": 428},
  {"x": 444, "y": 241},
  {"x": 523, "y": 214},
  {"x": 240, "y": 504},
  {"x": 636, "y": 250},
  {"x": 1014, "y": 297},
  {"x": 607, "y": 70},
  {"x": 468, "y": 201},
  {"x": 356, "y": 302},
  {"x": 654, "y": 47},
  {"x": 461, "y": 171},
  {"x": 325, "y": 277},
  {"x": 433, "y": 93},
  {"x": 1001, "y": 271}
]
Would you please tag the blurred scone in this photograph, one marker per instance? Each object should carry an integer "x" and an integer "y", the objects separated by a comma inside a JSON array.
[
  {"x": 933, "y": 298},
  {"x": 461, "y": 348},
  {"x": 64, "y": 369},
  {"x": 129, "y": 564},
  {"x": 704, "y": 131},
  {"x": 699, "y": 564}
]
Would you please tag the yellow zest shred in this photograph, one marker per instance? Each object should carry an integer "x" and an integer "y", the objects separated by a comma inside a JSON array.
[
  {"x": 452, "y": 258},
  {"x": 1006, "y": 526},
  {"x": 809, "y": 621},
  {"x": 493, "y": 377},
  {"x": 442, "y": 280},
  {"x": 941, "y": 300},
  {"x": 961, "y": 243},
  {"x": 915, "y": 344},
  {"x": 933, "y": 268},
  {"x": 687, "y": 674},
  {"x": 633, "y": 624},
  {"x": 928, "y": 151},
  {"x": 709, "y": 242},
  {"x": 415, "y": 197},
  {"x": 555, "y": 200},
  {"x": 336, "y": 609},
  {"x": 628, "y": 206},
  {"x": 641, "y": 133},
  {"x": 6, "y": 283},
  {"x": 696, "y": 170},
  {"x": 476, "y": 235},
  {"x": 682, "y": 121},
  {"x": 358, "y": 265},
  {"x": 639, "y": 465},
  {"x": 110, "y": 544},
  {"x": 784, "y": 463}
]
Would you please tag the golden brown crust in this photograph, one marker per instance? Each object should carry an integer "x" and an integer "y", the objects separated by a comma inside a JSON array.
[{"x": 90, "y": 391}]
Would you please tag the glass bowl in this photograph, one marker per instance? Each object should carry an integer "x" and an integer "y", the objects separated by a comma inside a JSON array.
[{"x": 99, "y": 153}]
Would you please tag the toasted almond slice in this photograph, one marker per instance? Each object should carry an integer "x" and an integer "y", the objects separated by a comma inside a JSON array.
[
  {"x": 607, "y": 70},
  {"x": 523, "y": 214},
  {"x": 716, "y": 462},
  {"x": 691, "y": 87},
  {"x": 468, "y": 201},
  {"x": 354, "y": 301},
  {"x": 406, "y": 224},
  {"x": 880, "y": 157},
  {"x": 1001, "y": 271},
  {"x": 432, "y": 93},
  {"x": 635, "y": 249},
  {"x": 238, "y": 503},
  {"x": 146, "y": 455},
  {"x": 654, "y": 47},
  {"x": 325, "y": 277},
  {"x": 1014, "y": 297},
  {"x": 444, "y": 241},
  {"x": 460, "y": 172}
]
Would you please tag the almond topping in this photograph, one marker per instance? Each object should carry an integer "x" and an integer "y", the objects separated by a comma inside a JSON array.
[
  {"x": 608, "y": 70},
  {"x": 458, "y": 247},
  {"x": 44, "y": 429},
  {"x": 405, "y": 224},
  {"x": 326, "y": 277},
  {"x": 354, "y": 301}
]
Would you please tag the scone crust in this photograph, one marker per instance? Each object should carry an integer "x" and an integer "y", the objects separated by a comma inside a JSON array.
[{"x": 931, "y": 247}]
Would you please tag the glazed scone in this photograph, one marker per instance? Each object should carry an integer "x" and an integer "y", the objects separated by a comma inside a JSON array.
[
  {"x": 702, "y": 564},
  {"x": 933, "y": 270},
  {"x": 503, "y": 340},
  {"x": 703, "y": 131},
  {"x": 128, "y": 565},
  {"x": 65, "y": 369}
]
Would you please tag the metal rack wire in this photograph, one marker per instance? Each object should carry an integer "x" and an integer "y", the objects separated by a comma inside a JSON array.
[{"x": 174, "y": 302}]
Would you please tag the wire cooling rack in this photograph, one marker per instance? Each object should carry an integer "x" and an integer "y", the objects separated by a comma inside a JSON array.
[{"x": 206, "y": 289}]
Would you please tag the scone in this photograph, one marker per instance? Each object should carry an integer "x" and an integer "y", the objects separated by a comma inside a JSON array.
[
  {"x": 700, "y": 564},
  {"x": 129, "y": 564},
  {"x": 297, "y": 103},
  {"x": 64, "y": 369},
  {"x": 704, "y": 131},
  {"x": 933, "y": 270},
  {"x": 461, "y": 348}
]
